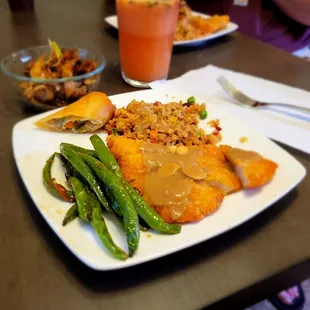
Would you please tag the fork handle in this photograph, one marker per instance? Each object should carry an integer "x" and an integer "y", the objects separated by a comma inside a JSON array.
[{"x": 289, "y": 106}]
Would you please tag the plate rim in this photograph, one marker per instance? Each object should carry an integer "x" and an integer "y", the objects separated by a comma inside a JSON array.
[{"x": 184, "y": 245}]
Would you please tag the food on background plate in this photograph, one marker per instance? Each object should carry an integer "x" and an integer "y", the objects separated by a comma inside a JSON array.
[
  {"x": 192, "y": 26},
  {"x": 88, "y": 114},
  {"x": 185, "y": 184},
  {"x": 60, "y": 63},
  {"x": 167, "y": 124}
]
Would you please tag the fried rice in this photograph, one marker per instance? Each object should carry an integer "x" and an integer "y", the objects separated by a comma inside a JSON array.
[{"x": 173, "y": 123}]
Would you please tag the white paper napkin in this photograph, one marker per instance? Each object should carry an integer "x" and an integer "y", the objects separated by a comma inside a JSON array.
[{"x": 278, "y": 124}]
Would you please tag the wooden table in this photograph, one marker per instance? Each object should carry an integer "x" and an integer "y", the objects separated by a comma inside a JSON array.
[{"x": 36, "y": 269}]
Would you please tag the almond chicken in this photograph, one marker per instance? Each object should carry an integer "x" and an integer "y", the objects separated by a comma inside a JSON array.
[{"x": 185, "y": 184}]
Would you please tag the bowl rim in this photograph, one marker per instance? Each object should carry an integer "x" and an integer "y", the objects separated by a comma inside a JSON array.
[{"x": 58, "y": 80}]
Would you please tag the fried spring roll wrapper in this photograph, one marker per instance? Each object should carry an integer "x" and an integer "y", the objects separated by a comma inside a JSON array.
[{"x": 88, "y": 114}]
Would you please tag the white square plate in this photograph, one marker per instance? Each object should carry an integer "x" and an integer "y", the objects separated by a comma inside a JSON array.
[
  {"x": 112, "y": 21},
  {"x": 33, "y": 146}
]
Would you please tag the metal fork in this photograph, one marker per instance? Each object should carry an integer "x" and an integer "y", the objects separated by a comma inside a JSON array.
[{"x": 248, "y": 102}]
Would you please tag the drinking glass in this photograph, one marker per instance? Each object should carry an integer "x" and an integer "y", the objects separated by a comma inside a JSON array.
[{"x": 146, "y": 32}]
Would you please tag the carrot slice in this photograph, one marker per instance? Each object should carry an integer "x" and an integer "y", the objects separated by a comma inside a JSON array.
[
  {"x": 69, "y": 125},
  {"x": 153, "y": 135}
]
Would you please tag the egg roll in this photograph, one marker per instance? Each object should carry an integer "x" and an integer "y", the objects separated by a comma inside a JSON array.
[{"x": 87, "y": 114}]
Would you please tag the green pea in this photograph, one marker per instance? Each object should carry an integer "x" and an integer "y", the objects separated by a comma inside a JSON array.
[
  {"x": 115, "y": 131},
  {"x": 191, "y": 100},
  {"x": 203, "y": 114}
]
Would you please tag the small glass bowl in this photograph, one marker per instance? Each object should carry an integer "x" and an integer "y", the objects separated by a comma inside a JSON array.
[{"x": 47, "y": 94}]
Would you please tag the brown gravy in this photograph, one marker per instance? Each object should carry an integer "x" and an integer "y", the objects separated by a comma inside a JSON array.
[
  {"x": 243, "y": 155},
  {"x": 171, "y": 173}
]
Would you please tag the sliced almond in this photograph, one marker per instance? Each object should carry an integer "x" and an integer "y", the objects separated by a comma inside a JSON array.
[
  {"x": 168, "y": 169},
  {"x": 194, "y": 172},
  {"x": 182, "y": 150}
]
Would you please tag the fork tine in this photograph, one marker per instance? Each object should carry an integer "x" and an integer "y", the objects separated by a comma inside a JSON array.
[
  {"x": 226, "y": 85},
  {"x": 233, "y": 92},
  {"x": 222, "y": 80}
]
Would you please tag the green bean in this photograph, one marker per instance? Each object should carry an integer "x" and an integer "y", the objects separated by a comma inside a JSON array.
[
  {"x": 82, "y": 150},
  {"x": 116, "y": 208},
  {"x": 121, "y": 195},
  {"x": 71, "y": 214},
  {"x": 84, "y": 203},
  {"x": 149, "y": 215},
  {"x": 83, "y": 170},
  {"x": 113, "y": 202},
  {"x": 104, "y": 154},
  {"x": 101, "y": 229},
  {"x": 89, "y": 209},
  {"x": 52, "y": 186},
  {"x": 112, "y": 164},
  {"x": 93, "y": 199},
  {"x": 70, "y": 172},
  {"x": 142, "y": 226}
]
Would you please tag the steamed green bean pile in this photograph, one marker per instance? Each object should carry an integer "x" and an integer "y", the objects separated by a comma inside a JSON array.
[{"x": 97, "y": 187}]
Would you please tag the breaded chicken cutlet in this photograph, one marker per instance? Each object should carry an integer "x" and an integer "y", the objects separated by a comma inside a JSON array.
[{"x": 185, "y": 184}]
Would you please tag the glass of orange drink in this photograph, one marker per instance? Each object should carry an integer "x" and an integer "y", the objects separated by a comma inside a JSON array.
[{"x": 146, "y": 32}]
